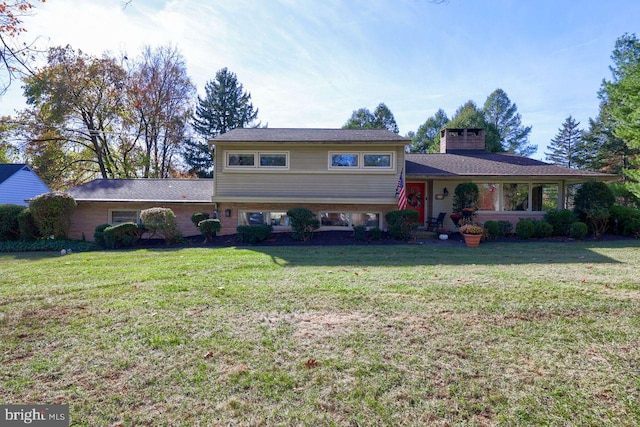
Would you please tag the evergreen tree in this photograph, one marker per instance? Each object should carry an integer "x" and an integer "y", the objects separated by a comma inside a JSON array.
[
  {"x": 427, "y": 139},
  {"x": 503, "y": 115},
  {"x": 226, "y": 106},
  {"x": 564, "y": 146}
]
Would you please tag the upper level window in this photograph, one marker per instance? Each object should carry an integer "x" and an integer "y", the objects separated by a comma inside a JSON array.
[
  {"x": 257, "y": 160},
  {"x": 360, "y": 160},
  {"x": 339, "y": 160}
]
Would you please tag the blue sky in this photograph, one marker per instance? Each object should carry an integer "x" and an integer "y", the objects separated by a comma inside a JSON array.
[{"x": 310, "y": 63}]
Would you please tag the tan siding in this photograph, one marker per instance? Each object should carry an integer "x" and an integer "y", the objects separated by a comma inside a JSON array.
[{"x": 309, "y": 176}]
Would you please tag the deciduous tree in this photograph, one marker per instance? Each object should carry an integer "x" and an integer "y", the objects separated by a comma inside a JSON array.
[{"x": 427, "y": 138}]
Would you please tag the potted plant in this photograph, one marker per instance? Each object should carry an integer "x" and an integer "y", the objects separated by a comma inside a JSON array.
[{"x": 472, "y": 234}]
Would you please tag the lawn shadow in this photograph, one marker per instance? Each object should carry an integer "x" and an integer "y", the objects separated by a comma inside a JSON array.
[{"x": 489, "y": 253}]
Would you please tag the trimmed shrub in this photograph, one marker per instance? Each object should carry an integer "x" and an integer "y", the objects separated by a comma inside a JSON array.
[
  {"x": 52, "y": 213},
  {"x": 622, "y": 218},
  {"x": 98, "y": 235},
  {"x": 122, "y": 235},
  {"x": 163, "y": 221},
  {"x": 9, "y": 225},
  {"x": 542, "y": 229},
  {"x": 465, "y": 196},
  {"x": 492, "y": 229},
  {"x": 505, "y": 228},
  {"x": 254, "y": 233},
  {"x": 578, "y": 230},
  {"x": 592, "y": 195},
  {"x": 525, "y": 229},
  {"x": 375, "y": 233},
  {"x": 197, "y": 217},
  {"x": 28, "y": 228},
  {"x": 402, "y": 223},
  {"x": 560, "y": 221},
  {"x": 360, "y": 233},
  {"x": 209, "y": 228},
  {"x": 303, "y": 223}
]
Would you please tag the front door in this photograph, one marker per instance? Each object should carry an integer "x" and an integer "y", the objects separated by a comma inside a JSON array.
[{"x": 415, "y": 198}]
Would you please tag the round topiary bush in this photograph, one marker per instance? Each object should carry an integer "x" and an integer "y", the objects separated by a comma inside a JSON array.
[
  {"x": 197, "y": 217},
  {"x": 161, "y": 220},
  {"x": 52, "y": 213},
  {"x": 493, "y": 229},
  {"x": 542, "y": 229},
  {"x": 465, "y": 196},
  {"x": 524, "y": 229},
  {"x": 209, "y": 228},
  {"x": 578, "y": 230}
]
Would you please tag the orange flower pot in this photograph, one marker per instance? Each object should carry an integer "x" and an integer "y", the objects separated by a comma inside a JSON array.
[{"x": 472, "y": 240}]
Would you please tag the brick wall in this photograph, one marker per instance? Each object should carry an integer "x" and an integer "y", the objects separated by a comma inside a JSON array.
[{"x": 88, "y": 215}]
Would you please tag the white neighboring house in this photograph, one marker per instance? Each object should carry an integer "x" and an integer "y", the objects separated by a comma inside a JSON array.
[{"x": 18, "y": 183}]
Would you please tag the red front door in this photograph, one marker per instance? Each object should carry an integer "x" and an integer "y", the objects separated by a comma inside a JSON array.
[{"x": 415, "y": 198}]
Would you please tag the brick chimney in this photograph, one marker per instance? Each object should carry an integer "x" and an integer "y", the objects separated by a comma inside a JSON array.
[{"x": 460, "y": 141}]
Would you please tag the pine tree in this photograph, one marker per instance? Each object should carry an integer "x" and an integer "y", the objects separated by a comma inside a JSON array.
[
  {"x": 226, "y": 106},
  {"x": 564, "y": 146},
  {"x": 503, "y": 114}
]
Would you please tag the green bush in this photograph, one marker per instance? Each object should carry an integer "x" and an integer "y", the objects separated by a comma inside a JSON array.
[
  {"x": 98, "y": 235},
  {"x": 598, "y": 220},
  {"x": 492, "y": 229},
  {"x": 621, "y": 219},
  {"x": 375, "y": 233},
  {"x": 542, "y": 229},
  {"x": 122, "y": 235},
  {"x": 578, "y": 230},
  {"x": 209, "y": 228},
  {"x": 505, "y": 228},
  {"x": 360, "y": 232},
  {"x": 525, "y": 229},
  {"x": 254, "y": 233},
  {"x": 9, "y": 225},
  {"x": 28, "y": 228},
  {"x": 197, "y": 217},
  {"x": 303, "y": 223},
  {"x": 52, "y": 213},
  {"x": 465, "y": 196},
  {"x": 163, "y": 221},
  {"x": 560, "y": 221},
  {"x": 47, "y": 245},
  {"x": 632, "y": 228},
  {"x": 592, "y": 195},
  {"x": 402, "y": 223}
]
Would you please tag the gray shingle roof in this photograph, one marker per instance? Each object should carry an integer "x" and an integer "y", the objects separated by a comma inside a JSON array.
[
  {"x": 291, "y": 135},
  {"x": 9, "y": 169},
  {"x": 142, "y": 190},
  {"x": 490, "y": 164}
]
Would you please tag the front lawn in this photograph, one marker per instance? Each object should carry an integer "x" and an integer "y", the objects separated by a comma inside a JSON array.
[{"x": 506, "y": 334}]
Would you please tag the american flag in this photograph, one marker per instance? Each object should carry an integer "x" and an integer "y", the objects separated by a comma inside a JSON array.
[{"x": 401, "y": 193}]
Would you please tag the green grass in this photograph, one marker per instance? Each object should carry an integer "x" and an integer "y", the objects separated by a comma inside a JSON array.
[{"x": 506, "y": 334}]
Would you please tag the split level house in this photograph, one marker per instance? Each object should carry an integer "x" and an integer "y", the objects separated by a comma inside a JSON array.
[
  {"x": 347, "y": 177},
  {"x": 19, "y": 183}
]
